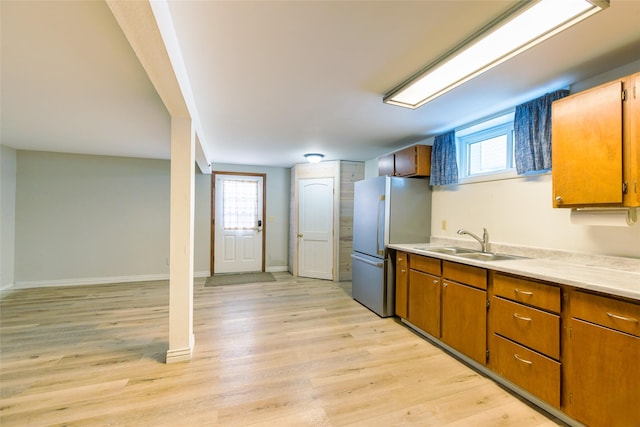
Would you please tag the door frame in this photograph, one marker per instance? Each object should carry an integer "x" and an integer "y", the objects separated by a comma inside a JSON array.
[{"x": 213, "y": 213}]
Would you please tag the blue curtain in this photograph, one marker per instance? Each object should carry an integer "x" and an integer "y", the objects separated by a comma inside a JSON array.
[
  {"x": 532, "y": 126},
  {"x": 444, "y": 167}
]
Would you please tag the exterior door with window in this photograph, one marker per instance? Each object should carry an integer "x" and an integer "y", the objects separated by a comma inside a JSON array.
[
  {"x": 315, "y": 228},
  {"x": 238, "y": 223}
]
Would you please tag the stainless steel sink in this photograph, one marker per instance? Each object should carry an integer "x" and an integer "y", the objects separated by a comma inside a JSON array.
[
  {"x": 485, "y": 256},
  {"x": 466, "y": 253},
  {"x": 452, "y": 250}
]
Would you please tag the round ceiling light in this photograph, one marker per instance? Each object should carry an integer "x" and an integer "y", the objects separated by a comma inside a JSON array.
[{"x": 314, "y": 157}]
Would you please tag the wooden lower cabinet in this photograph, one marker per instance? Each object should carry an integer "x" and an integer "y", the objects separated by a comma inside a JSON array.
[
  {"x": 402, "y": 285},
  {"x": 601, "y": 377},
  {"x": 530, "y": 370},
  {"x": 577, "y": 351},
  {"x": 528, "y": 326},
  {"x": 424, "y": 302},
  {"x": 464, "y": 319}
]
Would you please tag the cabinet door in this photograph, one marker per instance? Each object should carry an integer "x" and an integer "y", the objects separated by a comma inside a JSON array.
[
  {"x": 424, "y": 302},
  {"x": 386, "y": 165},
  {"x": 601, "y": 375},
  {"x": 587, "y": 147},
  {"x": 464, "y": 319},
  {"x": 406, "y": 161},
  {"x": 402, "y": 284},
  {"x": 631, "y": 147}
]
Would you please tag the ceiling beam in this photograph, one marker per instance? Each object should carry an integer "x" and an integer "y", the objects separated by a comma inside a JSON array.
[{"x": 149, "y": 29}]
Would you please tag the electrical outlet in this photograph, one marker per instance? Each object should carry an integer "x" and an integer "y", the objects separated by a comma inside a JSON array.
[{"x": 444, "y": 224}]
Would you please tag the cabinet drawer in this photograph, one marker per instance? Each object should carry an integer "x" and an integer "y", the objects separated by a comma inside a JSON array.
[
  {"x": 532, "y": 371},
  {"x": 615, "y": 314},
  {"x": 401, "y": 259},
  {"x": 528, "y": 292},
  {"x": 529, "y": 326},
  {"x": 425, "y": 264},
  {"x": 467, "y": 274}
]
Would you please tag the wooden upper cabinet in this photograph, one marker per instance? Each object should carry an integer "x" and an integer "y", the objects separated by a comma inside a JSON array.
[
  {"x": 386, "y": 165},
  {"x": 595, "y": 146},
  {"x": 587, "y": 147},
  {"x": 414, "y": 161},
  {"x": 631, "y": 146}
]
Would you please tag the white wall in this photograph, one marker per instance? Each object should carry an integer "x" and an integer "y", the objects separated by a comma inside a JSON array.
[
  {"x": 519, "y": 211},
  {"x": 7, "y": 215},
  {"x": 277, "y": 204},
  {"x": 96, "y": 219}
]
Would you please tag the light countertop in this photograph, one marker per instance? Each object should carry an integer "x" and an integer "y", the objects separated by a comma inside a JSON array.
[{"x": 613, "y": 281}]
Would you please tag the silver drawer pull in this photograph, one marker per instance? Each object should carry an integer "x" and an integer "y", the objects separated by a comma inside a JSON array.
[
  {"x": 528, "y": 362},
  {"x": 435, "y": 282},
  {"x": 617, "y": 316},
  {"x": 517, "y": 316},
  {"x": 518, "y": 291}
]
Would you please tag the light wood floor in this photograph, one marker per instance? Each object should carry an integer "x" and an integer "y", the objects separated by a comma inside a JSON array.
[{"x": 296, "y": 352}]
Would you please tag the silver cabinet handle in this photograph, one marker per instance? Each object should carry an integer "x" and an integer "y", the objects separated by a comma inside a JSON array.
[
  {"x": 520, "y": 359},
  {"x": 435, "y": 282},
  {"x": 517, "y": 316},
  {"x": 617, "y": 316},
  {"x": 558, "y": 199}
]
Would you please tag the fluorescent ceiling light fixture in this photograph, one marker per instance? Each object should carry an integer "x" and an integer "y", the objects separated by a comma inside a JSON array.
[
  {"x": 314, "y": 157},
  {"x": 522, "y": 27}
]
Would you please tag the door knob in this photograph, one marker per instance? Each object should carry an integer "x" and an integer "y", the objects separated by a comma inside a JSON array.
[{"x": 299, "y": 235}]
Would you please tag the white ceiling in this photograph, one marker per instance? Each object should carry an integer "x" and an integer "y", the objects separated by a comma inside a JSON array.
[{"x": 273, "y": 80}]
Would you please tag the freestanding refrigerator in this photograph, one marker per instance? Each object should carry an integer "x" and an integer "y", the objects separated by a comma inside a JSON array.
[{"x": 386, "y": 210}]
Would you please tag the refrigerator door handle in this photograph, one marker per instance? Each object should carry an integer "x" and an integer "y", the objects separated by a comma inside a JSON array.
[
  {"x": 377, "y": 264},
  {"x": 380, "y": 231}
]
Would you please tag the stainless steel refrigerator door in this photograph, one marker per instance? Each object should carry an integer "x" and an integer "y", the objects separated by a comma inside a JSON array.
[
  {"x": 369, "y": 216},
  {"x": 370, "y": 284},
  {"x": 408, "y": 211}
]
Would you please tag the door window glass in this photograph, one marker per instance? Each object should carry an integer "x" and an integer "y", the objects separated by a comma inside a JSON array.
[{"x": 240, "y": 204}]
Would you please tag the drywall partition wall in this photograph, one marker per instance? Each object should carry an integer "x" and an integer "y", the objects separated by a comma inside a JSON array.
[
  {"x": 277, "y": 216},
  {"x": 7, "y": 215},
  {"x": 96, "y": 219}
]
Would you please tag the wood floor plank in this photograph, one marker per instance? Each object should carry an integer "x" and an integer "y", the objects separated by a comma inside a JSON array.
[{"x": 295, "y": 352}]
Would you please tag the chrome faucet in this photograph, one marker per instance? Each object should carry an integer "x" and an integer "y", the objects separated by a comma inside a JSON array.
[{"x": 484, "y": 242}]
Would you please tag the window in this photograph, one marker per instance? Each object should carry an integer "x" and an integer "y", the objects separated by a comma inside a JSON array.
[
  {"x": 240, "y": 204},
  {"x": 486, "y": 148}
]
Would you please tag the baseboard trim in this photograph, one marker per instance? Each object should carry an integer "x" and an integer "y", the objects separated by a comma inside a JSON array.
[
  {"x": 181, "y": 354},
  {"x": 6, "y": 290}
]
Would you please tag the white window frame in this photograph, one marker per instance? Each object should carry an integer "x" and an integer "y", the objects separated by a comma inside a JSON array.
[{"x": 487, "y": 129}]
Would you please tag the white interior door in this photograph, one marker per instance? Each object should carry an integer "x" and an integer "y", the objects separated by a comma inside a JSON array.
[
  {"x": 315, "y": 228},
  {"x": 238, "y": 224}
]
